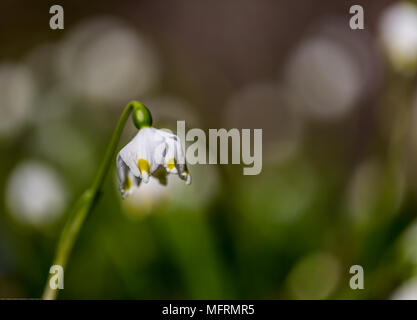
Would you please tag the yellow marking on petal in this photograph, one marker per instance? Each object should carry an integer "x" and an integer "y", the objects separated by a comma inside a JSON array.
[
  {"x": 127, "y": 184},
  {"x": 144, "y": 166},
  {"x": 171, "y": 163}
]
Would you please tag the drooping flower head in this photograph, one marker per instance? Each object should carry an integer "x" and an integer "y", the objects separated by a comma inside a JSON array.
[{"x": 152, "y": 152}]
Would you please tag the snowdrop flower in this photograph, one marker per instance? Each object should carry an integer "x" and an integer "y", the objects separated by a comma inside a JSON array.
[{"x": 152, "y": 152}]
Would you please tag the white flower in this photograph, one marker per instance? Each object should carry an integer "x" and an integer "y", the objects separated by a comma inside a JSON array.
[{"x": 152, "y": 152}]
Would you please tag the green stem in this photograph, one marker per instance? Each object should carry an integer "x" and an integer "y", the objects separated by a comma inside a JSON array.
[{"x": 81, "y": 209}]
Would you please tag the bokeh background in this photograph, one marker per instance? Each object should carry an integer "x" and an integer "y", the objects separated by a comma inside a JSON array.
[{"x": 338, "y": 109}]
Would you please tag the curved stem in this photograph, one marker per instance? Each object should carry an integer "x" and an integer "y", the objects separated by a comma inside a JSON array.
[{"x": 87, "y": 201}]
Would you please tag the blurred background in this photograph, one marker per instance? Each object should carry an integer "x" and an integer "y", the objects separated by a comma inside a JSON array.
[{"x": 338, "y": 109}]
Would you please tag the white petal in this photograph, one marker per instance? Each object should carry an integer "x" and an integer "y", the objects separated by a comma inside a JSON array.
[
  {"x": 128, "y": 182},
  {"x": 129, "y": 155},
  {"x": 121, "y": 169},
  {"x": 145, "y": 177},
  {"x": 175, "y": 150},
  {"x": 170, "y": 159}
]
